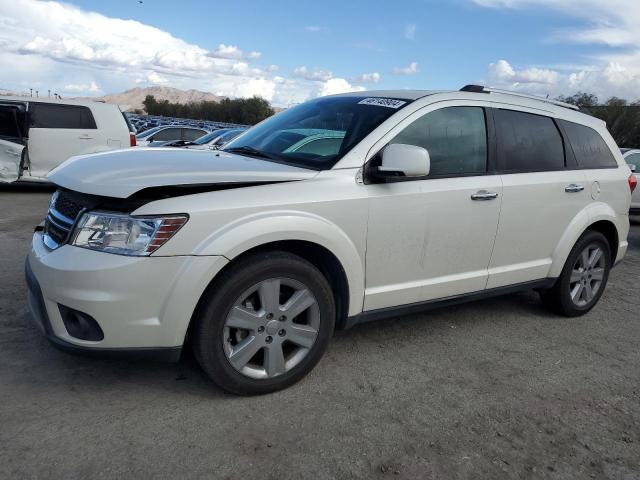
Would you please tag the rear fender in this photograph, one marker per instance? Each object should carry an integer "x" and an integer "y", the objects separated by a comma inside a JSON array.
[{"x": 591, "y": 214}]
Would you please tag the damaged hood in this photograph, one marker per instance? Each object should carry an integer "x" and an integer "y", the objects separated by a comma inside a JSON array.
[{"x": 121, "y": 173}]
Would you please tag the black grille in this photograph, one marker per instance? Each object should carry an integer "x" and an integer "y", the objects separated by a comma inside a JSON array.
[
  {"x": 56, "y": 233},
  {"x": 67, "y": 207},
  {"x": 62, "y": 214}
]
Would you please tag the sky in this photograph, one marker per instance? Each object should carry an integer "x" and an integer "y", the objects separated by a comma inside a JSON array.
[{"x": 291, "y": 51}]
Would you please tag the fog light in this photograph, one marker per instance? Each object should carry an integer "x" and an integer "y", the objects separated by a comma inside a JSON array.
[{"x": 80, "y": 325}]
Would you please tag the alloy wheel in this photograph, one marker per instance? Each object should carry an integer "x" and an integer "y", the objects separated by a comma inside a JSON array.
[
  {"x": 271, "y": 328},
  {"x": 587, "y": 275}
]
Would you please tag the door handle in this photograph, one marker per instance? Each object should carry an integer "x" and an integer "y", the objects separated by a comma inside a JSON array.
[
  {"x": 12, "y": 153},
  {"x": 574, "y": 188},
  {"x": 85, "y": 137},
  {"x": 484, "y": 195}
]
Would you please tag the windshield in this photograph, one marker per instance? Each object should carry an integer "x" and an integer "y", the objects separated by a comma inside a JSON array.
[
  {"x": 209, "y": 136},
  {"x": 317, "y": 133}
]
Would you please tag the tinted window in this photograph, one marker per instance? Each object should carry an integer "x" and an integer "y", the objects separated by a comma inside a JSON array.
[
  {"x": 190, "y": 134},
  {"x": 167, "y": 134},
  {"x": 527, "y": 142},
  {"x": 456, "y": 139},
  {"x": 47, "y": 115},
  {"x": 590, "y": 149}
]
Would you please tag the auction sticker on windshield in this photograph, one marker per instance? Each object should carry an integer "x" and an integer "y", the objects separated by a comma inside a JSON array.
[{"x": 382, "y": 102}]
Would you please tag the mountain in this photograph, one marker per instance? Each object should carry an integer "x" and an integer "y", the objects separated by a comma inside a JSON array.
[{"x": 132, "y": 99}]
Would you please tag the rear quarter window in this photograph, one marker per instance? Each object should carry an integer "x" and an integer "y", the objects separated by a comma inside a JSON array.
[
  {"x": 46, "y": 115},
  {"x": 589, "y": 148},
  {"x": 527, "y": 142}
]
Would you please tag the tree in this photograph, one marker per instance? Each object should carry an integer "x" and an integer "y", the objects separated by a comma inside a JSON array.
[
  {"x": 622, "y": 119},
  {"x": 247, "y": 111},
  {"x": 580, "y": 100}
]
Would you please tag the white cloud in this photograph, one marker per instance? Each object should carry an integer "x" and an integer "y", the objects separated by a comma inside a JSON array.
[
  {"x": 503, "y": 72},
  {"x": 53, "y": 45},
  {"x": 260, "y": 87},
  {"x": 612, "y": 24},
  {"x": 338, "y": 85},
  {"x": 75, "y": 88},
  {"x": 410, "y": 31},
  {"x": 313, "y": 75},
  {"x": 611, "y": 80},
  {"x": 373, "y": 77},
  {"x": 312, "y": 28},
  {"x": 232, "y": 52},
  {"x": 411, "y": 69}
]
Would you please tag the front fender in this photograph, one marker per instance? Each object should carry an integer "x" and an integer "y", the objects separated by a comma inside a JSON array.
[{"x": 255, "y": 230}]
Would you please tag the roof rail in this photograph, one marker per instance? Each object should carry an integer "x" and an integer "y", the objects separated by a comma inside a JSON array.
[{"x": 482, "y": 89}]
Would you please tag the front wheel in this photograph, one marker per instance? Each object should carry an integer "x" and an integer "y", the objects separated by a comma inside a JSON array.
[
  {"x": 264, "y": 324},
  {"x": 583, "y": 278}
]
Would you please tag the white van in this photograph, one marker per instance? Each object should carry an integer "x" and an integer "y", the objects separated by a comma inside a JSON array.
[{"x": 38, "y": 134}]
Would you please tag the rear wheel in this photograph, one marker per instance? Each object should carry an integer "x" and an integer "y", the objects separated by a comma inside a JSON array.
[
  {"x": 583, "y": 278},
  {"x": 264, "y": 324}
]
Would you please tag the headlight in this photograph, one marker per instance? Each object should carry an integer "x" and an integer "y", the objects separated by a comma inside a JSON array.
[{"x": 124, "y": 234}]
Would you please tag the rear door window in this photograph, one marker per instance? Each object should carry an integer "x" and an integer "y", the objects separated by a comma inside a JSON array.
[
  {"x": 588, "y": 146},
  {"x": 455, "y": 137},
  {"x": 190, "y": 134},
  {"x": 527, "y": 142},
  {"x": 48, "y": 115},
  {"x": 168, "y": 134}
]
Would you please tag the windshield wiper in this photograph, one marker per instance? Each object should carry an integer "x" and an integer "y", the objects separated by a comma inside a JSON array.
[{"x": 253, "y": 152}]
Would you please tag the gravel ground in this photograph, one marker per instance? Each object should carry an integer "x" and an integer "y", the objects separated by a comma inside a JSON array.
[{"x": 494, "y": 389}]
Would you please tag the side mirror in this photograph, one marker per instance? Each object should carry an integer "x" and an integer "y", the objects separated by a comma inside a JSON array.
[
  {"x": 405, "y": 160},
  {"x": 632, "y": 167}
]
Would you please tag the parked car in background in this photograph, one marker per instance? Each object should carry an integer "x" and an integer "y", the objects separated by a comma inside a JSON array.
[
  {"x": 38, "y": 134},
  {"x": 169, "y": 133},
  {"x": 216, "y": 140},
  {"x": 211, "y": 141},
  {"x": 142, "y": 123},
  {"x": 419, "y": 199},
  {"x": 632, "y": 157}
]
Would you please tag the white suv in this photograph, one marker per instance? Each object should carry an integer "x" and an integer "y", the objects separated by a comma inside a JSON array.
[
  {"x": 408, "y": 200},
  {"x": 38, "y": 134}
]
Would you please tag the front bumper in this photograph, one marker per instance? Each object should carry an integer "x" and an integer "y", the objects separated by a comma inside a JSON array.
[{"x": 142, "y": 304}]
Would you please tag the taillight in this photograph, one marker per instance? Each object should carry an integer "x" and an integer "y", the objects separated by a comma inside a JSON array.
[
  {"x": 132, "y": 139},
  {"x": 633, "y": 182}
]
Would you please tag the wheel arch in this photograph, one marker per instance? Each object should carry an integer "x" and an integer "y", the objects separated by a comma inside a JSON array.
[
  {"x": 314, "y": 238},
  {"x": 600, "y": 218}
]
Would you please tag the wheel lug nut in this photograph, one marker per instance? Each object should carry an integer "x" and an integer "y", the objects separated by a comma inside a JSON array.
[
  {"x": 260, "y": 329},
  {"x": 282, "y": 332},
  {"x": 269, "y": 316},
  {"x": 269, "y": 339},
  {"x": 282, "y": 318}
]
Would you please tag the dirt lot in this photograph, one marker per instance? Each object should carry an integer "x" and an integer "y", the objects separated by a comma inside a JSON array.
[{"x": 496, "y": 389}]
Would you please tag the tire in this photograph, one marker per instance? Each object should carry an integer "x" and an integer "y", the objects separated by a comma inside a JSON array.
[
  {"x": 567, "y": 297},
  {"x": 240, "y": 313}
]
